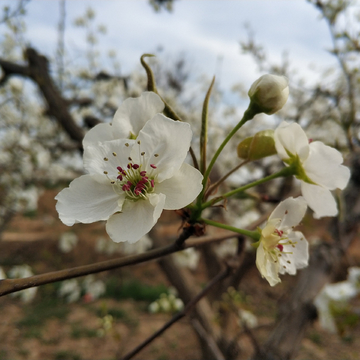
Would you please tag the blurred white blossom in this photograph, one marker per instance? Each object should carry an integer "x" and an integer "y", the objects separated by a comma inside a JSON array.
[{"x": 67, "y": 241}]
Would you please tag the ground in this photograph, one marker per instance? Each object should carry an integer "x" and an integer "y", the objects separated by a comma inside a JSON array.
[{"x": 50, "y": 329}]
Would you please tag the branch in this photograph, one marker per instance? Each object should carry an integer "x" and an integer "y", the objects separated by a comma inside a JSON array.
[
  {"x": 38, "y": 71},
  {"x": 180, "y": 314},
  {"x": 8, "y": 286}
]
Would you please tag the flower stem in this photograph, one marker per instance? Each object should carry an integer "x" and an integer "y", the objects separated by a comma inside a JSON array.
[
  {"x": 286, "y": 171},
  {"x": 255, "y": 235},
  {"x": 248, "y": 115}
]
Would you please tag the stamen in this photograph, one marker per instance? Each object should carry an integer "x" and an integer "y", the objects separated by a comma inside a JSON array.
[
  {"x": 127, "y": 144},
  {"x": 106, "y": 159},
  {"x": 280, "y": 247},
  {"x": 156, "y": 155},
  {"x": 105, "y": 172},
  {"x": 143, "y": 153},
  {"x": 153, "y": 166},
  {"x": 114, "y": 153}
]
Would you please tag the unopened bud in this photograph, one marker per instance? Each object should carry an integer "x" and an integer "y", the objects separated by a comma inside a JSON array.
[{"x": 269, "y": 93}]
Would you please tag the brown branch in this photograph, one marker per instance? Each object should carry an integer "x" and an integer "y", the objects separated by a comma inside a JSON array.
[
  {"x": 180, "y": 314},
  {"x": 38, "y": 70},
  {"x": 8, "y": 286}
]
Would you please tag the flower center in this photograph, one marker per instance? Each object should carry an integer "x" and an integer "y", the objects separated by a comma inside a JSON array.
[
  {"x": 136, "y": 183},
  {"x": 132, "y": 179}
]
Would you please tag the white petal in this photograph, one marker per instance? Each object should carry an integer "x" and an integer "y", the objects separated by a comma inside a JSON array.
[
  {"x": 99, "y": 133},
  {"x": 323, "y": 166},
  {"x": 291, "y": 211},
  {"x": 133, "y": 113},
  {"x": 182, "y": 188},
  {"x": 319, "y": 200},
  {"x": 266, "y": 266},
  {"x": 87, "y": 201},
  {"x": 291, "y": 138},
  {"x": 95, "y": 157},
  {"x": 294, "y": 256},
  {"x": 169, "y": 139},
  {"x": 136, "y": 219}
]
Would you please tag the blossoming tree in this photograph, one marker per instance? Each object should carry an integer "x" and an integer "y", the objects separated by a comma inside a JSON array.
[{"x": 144, "y": 161}]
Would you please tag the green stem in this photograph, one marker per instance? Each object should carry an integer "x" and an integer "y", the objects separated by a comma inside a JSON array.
[
  {"x": 286, "y": 171},
  {"x": 255, "y": 235},
  {"x": 248, "y": 115}
]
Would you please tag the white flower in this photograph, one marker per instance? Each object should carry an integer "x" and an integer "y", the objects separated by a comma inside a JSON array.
[
  {"x": 2, "y": 274},
  {"x": 93, "y": 288},
  {"x": 269, "y": 93},
  {"x": 248, "y": 318},
  {"x": 333, "y": 297},
  {"x": 130, "y": 181},
  {"x": 282, "y": 250},
  {"x": 67, "y": 241},
  {"x": 129, "y": 119},
  {"x": 318, "y": 167},
  {"x": 187, "y": 258},
  {"x": 70, "y": 289},
  {"x": 23, "y": 271}
]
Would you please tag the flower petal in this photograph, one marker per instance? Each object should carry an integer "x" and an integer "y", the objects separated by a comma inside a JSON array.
[
  {"x": 294, "y": 256},
  {"x": 291, "y": 138},
  {"x": 319, "y": 199},
  {"x": 291, "y": 211},
  {"x": 133, "y": 113},
  {"x": 99, "y": 133},
  {"x": 168, "y": 139},
  {"x": 266, "y": 266},
  {"x": 182, "y": 188},
  {"x": 87, "y": 201},
  {"x": 136, "y": 220},
  {"x": 100, "y": 158},
  {"x": 323, "y": 166}
]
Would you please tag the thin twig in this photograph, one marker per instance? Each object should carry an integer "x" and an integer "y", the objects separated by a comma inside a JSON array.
[
  {"x": 180, "y": 314},
  {"x": 8, "y": 286}
]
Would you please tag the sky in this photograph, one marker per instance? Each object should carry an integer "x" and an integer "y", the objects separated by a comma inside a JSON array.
[{"x": 208, "y": 32}]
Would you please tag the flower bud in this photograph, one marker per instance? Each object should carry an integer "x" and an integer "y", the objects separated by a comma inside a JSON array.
[
  {"x": 269, "y": 93},
  {"x": 256, "y": 147}
]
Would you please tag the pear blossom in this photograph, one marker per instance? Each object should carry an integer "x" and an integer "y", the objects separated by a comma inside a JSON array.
[
  {"x": 318, "y": 167},
  {"x": 128, "y": 120},
  {"x": 269, "y": 93},
  {"x": 282, "y": 250},
  {"x": 130, "y": 182}
]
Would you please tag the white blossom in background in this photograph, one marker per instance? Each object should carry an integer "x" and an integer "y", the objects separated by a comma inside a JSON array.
[
  {"x": 144, "y": 244},
  {"x": 93, "y": 288},
  {"x": 318, "y": 167},
  {"x": 187, "y": 258},
  {"x": 130, "y": 182},
  {"x": 335, "y": 297},
  {"x": 248, "y": 318},
  {"x": 282, "y": 250},
  {"x": 269, "y": 93},
  {"x": 106, "y": 246},
  {"x": 67, "y": 241},
  {"x": 167, "y": 303},
  {"x": 227, "y": 248},
  {"x": 20, "y": 272},
  {"x": 70, "y": 290}
]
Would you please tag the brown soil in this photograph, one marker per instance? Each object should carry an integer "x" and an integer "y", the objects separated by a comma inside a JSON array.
[{"x": 71, "y": 331}]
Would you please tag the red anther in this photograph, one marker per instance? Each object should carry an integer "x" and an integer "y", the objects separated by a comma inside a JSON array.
[
  {"x": 145, "y": 179},
  {"x": 280, "y": 247},
  {"x": 120, "y": 169},
  {"x": 153, "y": 166},
  {"x": 279, "y": 232},
  {"x": 152, "y": 182},
  {"x": 142, "y": 173},
  {"x": 310, "y": 141},
  {"x": 120, "y": 177},
  {"x": 129, "y": 166},
  {"x": 126, "y": 187},
  {"x": 135, "y": 166}
]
